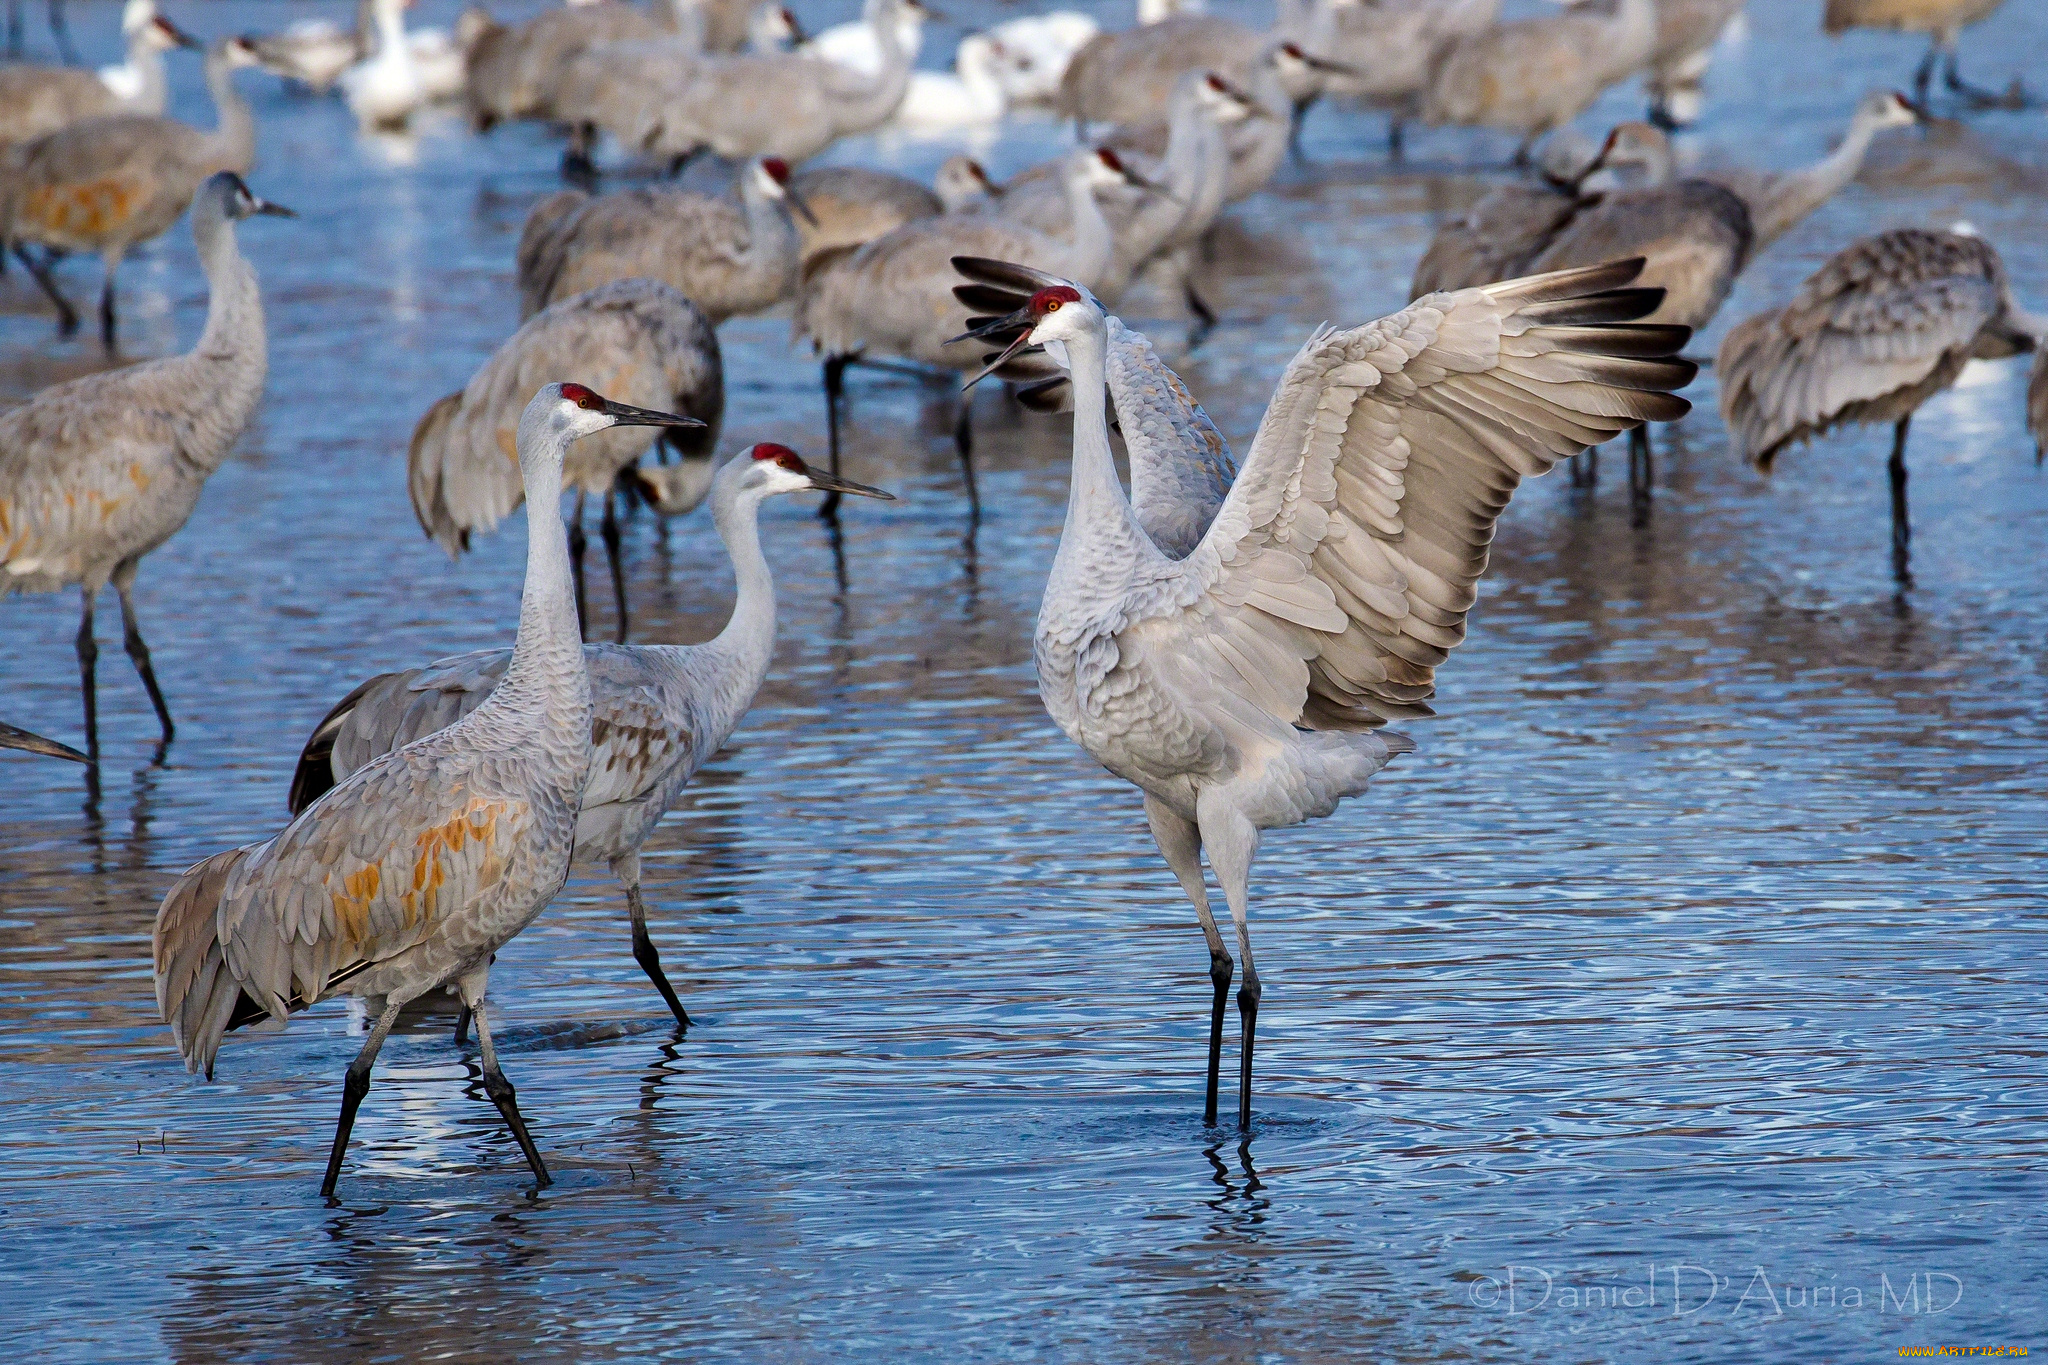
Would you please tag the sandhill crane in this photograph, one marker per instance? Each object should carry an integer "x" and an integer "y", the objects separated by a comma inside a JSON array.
[
  {"x": 894, "y": 296},
  {"x": 727, "y": 259},
  {"x": 1241, "y": 687},
  {"x": 1534, "y": 75},
  {"x": 646, "y": 340},
  {"x": 58, "y": 30},
  {"x": 14, "y": 737},
  {"x": 1389, "y": 49},
  {"x": 961, "y": 182},
  {"x": 1884, "y": 325},
  {"x": 659, "y": 711},
  {"x": 852, "y": 205},
  {"x": 408, "y": 876},
  {"x": 35, "y": 100},
  {"x": 512, "y": 72},
  {"x": 1943, "y": 22},
  {"x": 108, "y": 184},
  {"x": 98, "y": 471}
]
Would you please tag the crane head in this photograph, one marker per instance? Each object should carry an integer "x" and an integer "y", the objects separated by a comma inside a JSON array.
[
  {"x": 583, "y": 411},
  {"x": 770, "y": 469},
  {"x": 773, "y": 181},
  {"x": 1044, "y": 317}
]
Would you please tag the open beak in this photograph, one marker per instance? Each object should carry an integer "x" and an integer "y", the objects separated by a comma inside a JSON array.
[
  {"x": 626, "y": 415},
  {"x": 832, "y": 483},
  {"x": 796, "y": 201},
  {"x": 1021, "y": 319},
  {"x": 264, "y": 206},
  {"x": 13, "y": 737}
]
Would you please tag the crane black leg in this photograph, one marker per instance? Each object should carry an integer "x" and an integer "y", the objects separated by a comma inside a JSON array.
[
  {"x": 67, "y": 316},
  {"x": 1180, "y": 842},
  {"x": 14, "y": 28},
  {"x": 1586, "y": 467},
  {"x": 1976, "y": 96},
  {"x": 138, "y": 652},
  {"x": 462, "y": 1018},
  {"x": 107, "y": 312},
  {"x": 835, "y": 385},
  {"x": 963, "y": 441},
  {"x": 1397, "y": 139},
  {"x": 1642, "y": 470},
  {"x": 501, "y": 1093},
  {"x": 88, "y": 656},
  {"x": 1205, "y": 316},
  {"x": 627, "y": 870},
  {"x": 608, "y": 529},
  {"x": 1902, "y": 525},
  {"x": 353, "y": 1087},
  {"x": 1248, "y": 1014},
  {"x": 62, "y": 32},
  {"x": 1923, "y": 75},
  {"x": 578, "y": 543}
]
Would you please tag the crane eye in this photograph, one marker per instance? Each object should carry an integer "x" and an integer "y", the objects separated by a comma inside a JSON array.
[
  {"x": 1053, "y": 307},
  {"x": 582, "y": 397}
]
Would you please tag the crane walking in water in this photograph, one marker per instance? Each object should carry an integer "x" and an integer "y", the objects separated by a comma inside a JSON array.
[
  {"x": 98, "y": 471},
  {"x": 660, "y": 710},
  {"x": 1241, "y": 687},
  {"x": 414, "y": 872}
]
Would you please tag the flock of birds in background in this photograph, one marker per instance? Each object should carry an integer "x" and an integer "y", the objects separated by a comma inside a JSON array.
[{"x": 1229, "y": 636}]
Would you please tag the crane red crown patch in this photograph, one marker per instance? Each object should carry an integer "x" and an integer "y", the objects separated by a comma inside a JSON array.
[
  {"x": 582, "y": 397},
  {"x": 781, "y": 455},
  {"x": 777, "y": 168},
  {"x": 1049, "y": 300}
]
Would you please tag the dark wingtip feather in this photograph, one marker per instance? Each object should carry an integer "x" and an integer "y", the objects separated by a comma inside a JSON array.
[
  {"x": 1006, "y": 274},
  {"x": 1582, "y": 310},
  {"x": 314, "y": 776},
  {"x": 1577, "y": 282}
]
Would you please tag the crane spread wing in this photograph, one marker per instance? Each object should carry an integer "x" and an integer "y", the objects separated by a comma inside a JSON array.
[
  {"x": 634, "y": 740},
  {"x": 1338, "y": 573},
  {"x": 76, "y": 463},
  {"x": 1883, "y": 316}
]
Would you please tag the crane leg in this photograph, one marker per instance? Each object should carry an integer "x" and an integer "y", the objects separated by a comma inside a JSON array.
[
  {"x": 1642, "y": 470},
  {"x": 1205, "y": 316},
  {"x": 14, "y": 28},
  {"x": 1902, "y": 525},
  {"x": 578, "y": 543},
  {"x": 67, "y": 316},
  {"x": 1397, "y": 139},
  {"x": 1297, "y": 116},
  {"x": 113, "y": 263},
  {"x": 1180, "y": 842},
  {"x": 462, "y": 1018},
  {"x": 353, "y": 1087},
  {"x": 500, "y": 1090},
  {"x": 1586, "y": 467},
  {"x": 138, "y": 652},
  {"x": 1975, "y": 95},
  {"x": 963, "y": 441},
  {"x": 627, "y": 870},
  {"x": 835, "y": 385},
  {"x": 88, "y": 656},
  {"x": 1233, "y": 841},
  {"x": 62, "y": 32},
  {"x": 608, "y": 531}
]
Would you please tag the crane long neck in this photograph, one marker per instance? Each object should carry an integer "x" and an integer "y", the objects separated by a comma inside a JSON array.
[
  {"x": 1789, "y": 199},
  {"x": 867, "y": 107},
  {"x": 1101, "y": 524},
  {"x": 772, "y": 241},
  {"x": 747, "y": 644},
  {"x": 234, "y": 135},
  {"x": 547, "y": 671},
  {"x": 234, "y": 304}
]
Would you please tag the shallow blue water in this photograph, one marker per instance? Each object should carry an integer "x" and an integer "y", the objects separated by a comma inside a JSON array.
[{"x": 1679, "y": 1000}]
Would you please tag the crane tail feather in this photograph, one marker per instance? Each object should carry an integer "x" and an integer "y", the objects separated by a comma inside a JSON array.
[{"x": 195, "y": 994}]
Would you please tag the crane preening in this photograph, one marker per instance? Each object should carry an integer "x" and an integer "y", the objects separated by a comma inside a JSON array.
[{"x": 1241, "y": 684}]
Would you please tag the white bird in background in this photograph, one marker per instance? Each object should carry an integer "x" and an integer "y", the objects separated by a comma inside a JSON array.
[
  {"x": 410, "y": 875},
  {"x": 971, "y": 94},
  {"x": 1036, "y": 50},
  {"x": 659, "y": 710},
  {"x": 1241, "y": 687},
  {"x": 853, "y": 45}
]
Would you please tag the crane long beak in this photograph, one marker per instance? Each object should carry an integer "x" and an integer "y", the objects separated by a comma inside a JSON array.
[
  {"x": 626, "y": 415},
  {"x": 832, "y": 483},
  {"x": 796, "y": 201},
  {"x": 1326, "y": 66},
  {"x": 1023, "y": 340},
  {"x": 264, "y": 206},
  {"x": 995, "y": 327},
  {"x": 183, "y": 38},
  {"x": 14, "y": 737}
]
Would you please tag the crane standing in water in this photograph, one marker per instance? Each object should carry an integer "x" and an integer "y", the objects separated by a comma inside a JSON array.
[
  {"x": 98, "y": 471},
  {"x": 409, "y": 876},
  {"x": 660, "y": 710},
  {"x": 1241, "y": 687}
]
